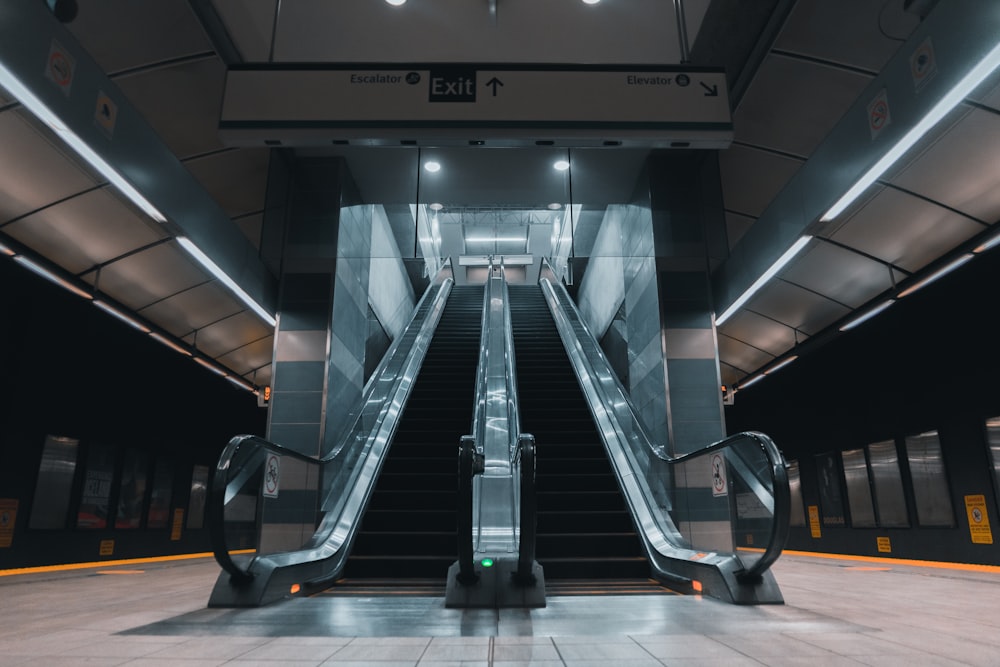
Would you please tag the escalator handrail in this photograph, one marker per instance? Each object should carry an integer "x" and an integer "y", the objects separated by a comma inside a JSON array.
[
  {"x": 779, "y": 474},
  {"x": 217, "y": 486},
  {"x": 529, "y": 510}
]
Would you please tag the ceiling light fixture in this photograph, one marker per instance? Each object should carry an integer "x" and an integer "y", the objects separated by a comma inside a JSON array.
[
  {"x": 396, "y": 3},
  {"x": 760, "y": 282},
  {"x": 214, "y": 269},
  {"x": 987, "y": 244},
  {"x": 781, "y": 364},
  {"x": 40, "y": 270},
  {"x": 127, "y": 319},
  {"x": 7, "y": 251},
  {"x": 436, "y": 206},
  {"x": 754, "y": 380},
  {"x": 561, "y": 165},
  {"x": 432, "y": 166},
  {"x": 959, "y": 92},
  {"x": 171, "y": 344},
  {"x": 590, "y": 2},
  {"x": 47, "y": 116},
  {"x": 495, "y": 239},
  {"x": 867, "y": 315},
  {"x": 241, "y": 383},
  {"x": 944, "y": 270},
  {"x": 555, "y": 206},
  {"x": 212, "y": 367}
]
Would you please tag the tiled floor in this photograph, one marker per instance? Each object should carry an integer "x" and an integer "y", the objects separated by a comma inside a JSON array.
[{"x": 836, "y": 612}]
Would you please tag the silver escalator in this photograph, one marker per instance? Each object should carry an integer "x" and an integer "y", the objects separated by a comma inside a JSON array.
[
  {"x": 276, "y": 539},
  {"x": 709, "y": 522}
]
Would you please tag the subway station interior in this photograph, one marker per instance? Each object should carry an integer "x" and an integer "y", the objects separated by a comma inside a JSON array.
[{"x": 500, "y": 332}]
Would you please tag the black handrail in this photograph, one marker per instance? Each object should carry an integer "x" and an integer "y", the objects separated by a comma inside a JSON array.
[
  {"x": 470, "y": 463},
  {"x": 529, "y": 511}
]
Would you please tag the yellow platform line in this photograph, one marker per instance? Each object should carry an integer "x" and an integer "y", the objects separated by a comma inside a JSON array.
[
  {"x": 941, "y": 565},
  {"x": 109, "y": 563}
]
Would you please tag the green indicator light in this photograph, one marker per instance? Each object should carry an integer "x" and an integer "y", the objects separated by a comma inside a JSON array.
[{"x": 487, "y": 562}]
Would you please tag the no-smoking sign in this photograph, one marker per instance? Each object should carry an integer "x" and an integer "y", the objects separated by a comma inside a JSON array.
[
  {"x": 59, "y": 67},
  {"x": 272, "y": 475},
  {"x": 719, "y": 485},
  {"x": 878, "y": 114}
]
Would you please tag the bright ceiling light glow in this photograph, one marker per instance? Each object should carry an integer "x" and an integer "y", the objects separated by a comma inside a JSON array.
[
  {"x": 7, "y": 251},
  {"x": 754, "y": 380},
  {"x": 47, "y": 116},
  {"x": 40, "y": 270},
  {"x": 590, "y": 2},
  {"x": 555, "y": 206},
  {"x": 171, "y": 344},
  {"x": 495, "y": 239},
  {"x": 436, "y": 206},
  {"x": 432, "y": 166},
  {"x": 760, "y": 282},
  {"x": 127, "y": 319},
  {"x": 781, "y": 364},
  {"x": 216, "y": 271},
  {"x": 212, "y": 367},
  {"x": 944, "y": 270},
  {"x": 954, "y": 96},
  {"x": 867, "y": 315},
  {"x": 561, "y": 165},
  {"x": 396, "y": 3}
]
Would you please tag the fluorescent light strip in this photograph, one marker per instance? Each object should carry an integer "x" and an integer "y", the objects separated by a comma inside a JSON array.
[
  {"x": 781, "y": 364},
  {"x": 495, "y": 239},
  {"x": 212, "y": 367},
  {"x": 7, "y": 251},
  {"x": 944, "y": 270},
  {"x": 864, "y": 317},
  {"x": 214, "y": 269},
  {"x": 171, "y": 344},
  {"x": 760, "y": 282},
  {"x": 47, "y": 116},
  {"x": 241, "y": 383},
  {"x": 754, "y": 380},
  {"x": 40, "y": 270},
  {"x": 111, "y": 310},
  {"x": 987, "y": 244},
  {"x": 954, "y": 96}
]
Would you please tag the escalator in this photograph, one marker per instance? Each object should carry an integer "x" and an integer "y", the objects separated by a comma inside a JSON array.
[
  {"x": 408, "y": 533},
  {"x": 584, "y": 529}
]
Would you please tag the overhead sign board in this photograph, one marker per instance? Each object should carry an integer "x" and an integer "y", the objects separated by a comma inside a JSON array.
[{"x": 478, "y": 104}]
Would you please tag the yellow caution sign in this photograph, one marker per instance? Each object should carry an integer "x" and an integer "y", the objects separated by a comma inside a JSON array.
[
  {"x": 107, "y": 547},
  {"x": 884, "y": 546},
  {"x": 8, "y": 516},
  {"x": 979, "y": 520},
  {"x": 814, "y": 521}
]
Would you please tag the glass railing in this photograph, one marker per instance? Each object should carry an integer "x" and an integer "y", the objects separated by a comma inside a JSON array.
[
  {"x": 715, "y": 519},
  {"x": 497, "y": 461},
  {"x": 281, "y": 521}
]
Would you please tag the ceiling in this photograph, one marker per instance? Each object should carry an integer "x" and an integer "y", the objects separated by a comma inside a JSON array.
[{"x": 796, "y": 68}]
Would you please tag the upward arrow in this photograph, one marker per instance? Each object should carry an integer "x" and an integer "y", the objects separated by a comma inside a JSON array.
[
  {"x": 710, "y": 91},
  {"x": 494, "y": 83}
]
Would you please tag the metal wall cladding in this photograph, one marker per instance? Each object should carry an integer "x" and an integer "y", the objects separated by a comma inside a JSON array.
[{"x": 930, "y": 482}]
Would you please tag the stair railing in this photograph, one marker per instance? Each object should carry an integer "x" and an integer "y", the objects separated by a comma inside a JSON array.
[
  {"x": 252, "y": 474},
  {"x": 740, "y": 481}
]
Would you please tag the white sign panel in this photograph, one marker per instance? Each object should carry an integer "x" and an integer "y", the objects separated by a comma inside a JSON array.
[
  {"x": 272, "y": 475},
  {"x": 475, "y": 102},
  {"x": 720, "y": 487}
]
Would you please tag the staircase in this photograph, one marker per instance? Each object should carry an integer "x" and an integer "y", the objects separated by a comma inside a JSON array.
[
  {"x": 585, "y": 531},
  {"x": 408, "y": 535}
]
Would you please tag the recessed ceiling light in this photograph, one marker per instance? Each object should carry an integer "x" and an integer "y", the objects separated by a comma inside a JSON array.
[
  {"x": 396, "y": 3},
  {"x": 561, "y": 165},
  {"x": 436, "y": 206},
  {"x": 432, "y": 166},
  {"x": 590, "y": 2},
  {"x": 555, "y": 206}
]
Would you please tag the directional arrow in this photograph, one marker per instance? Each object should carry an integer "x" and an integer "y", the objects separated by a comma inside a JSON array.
[
  {"x": 495, "y": 82},
  {"x": 712, "y": 91}
]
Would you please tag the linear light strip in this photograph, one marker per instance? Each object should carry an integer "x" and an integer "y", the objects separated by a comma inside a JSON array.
[
  {"x": 171, "y": 344},
  {"x": 760, "y": 282},
  {"x": 40, "y": 270},
  {"x": 781, "y": 364},
  {"x": 214, "y": 269},
  {"x": 7, "y": 251},
  {"x": 212, "y": 367},
  {"x": 13, "y": 85},
  {"x": 867, "y": 315},
  {"x": 954, "y": 96},
  {"x": 939, "y": 273},
  {"x": 127, "y": 319}
]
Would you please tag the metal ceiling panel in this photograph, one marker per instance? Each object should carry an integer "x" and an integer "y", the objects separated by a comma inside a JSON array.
[
  {"x": 250, "y": 24},
  {"x": 461, "y": 31},
  {"x": 192, "y": 309},
  {"x": 840, "y": 274},
  {"x": 857, "y": 33},
  {"x": 970, "y": 148},
  {"x": 228, "y": 336},
  {"x": 793, "y": 103},
  {"x": 737, "y": 225},
  {"x": 181, "y": 102},
  {"x": 752, "y": 177},
  {"x": 34, "y": 172},
  {"x": 124, "y": 34},
  {"x": 741, "y": 356},
  {"x": 904, "y": 230},
  {"x": 84, "y": 231},
  {"x": 151, "y": 275},
  {"x": 763, "y": 333},
  {"x": 236, "y": 179},
  {"x": 797, "y": 307}
]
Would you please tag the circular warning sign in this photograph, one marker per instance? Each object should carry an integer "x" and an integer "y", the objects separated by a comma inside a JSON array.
[
  {"x": 878, "y": 113},
  {"x": 271, "y": 476},
  {"x": 718, "y": 475}
]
